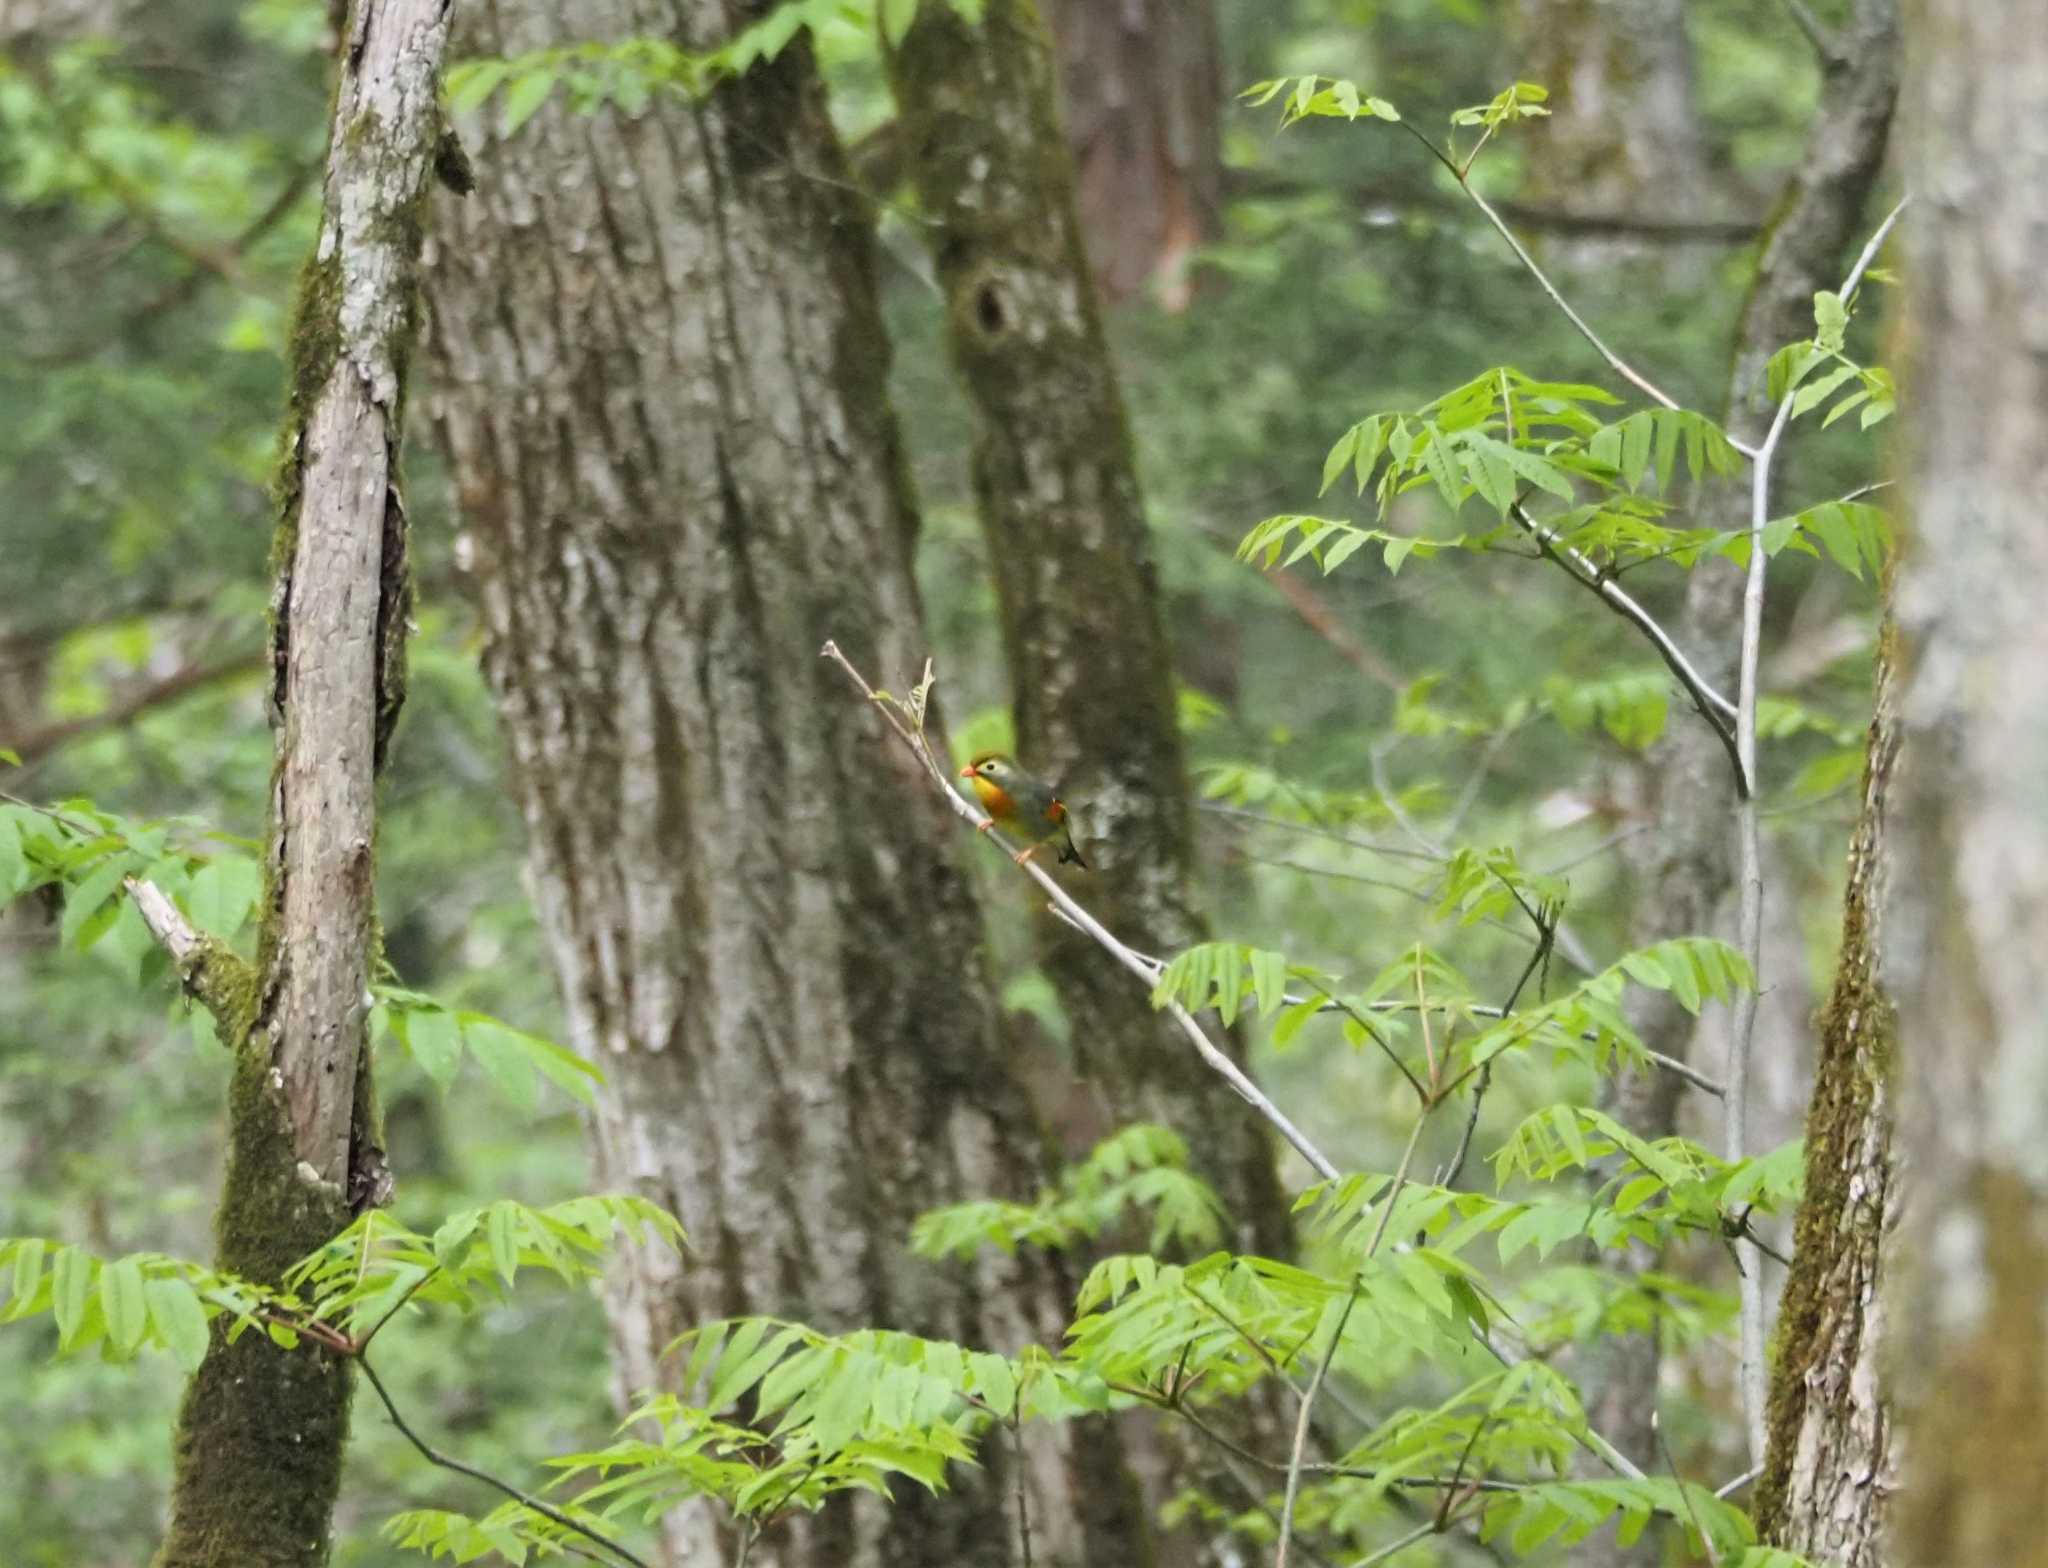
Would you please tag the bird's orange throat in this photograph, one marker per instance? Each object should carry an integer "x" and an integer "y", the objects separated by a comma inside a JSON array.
[{"x": 995, "y": 800}]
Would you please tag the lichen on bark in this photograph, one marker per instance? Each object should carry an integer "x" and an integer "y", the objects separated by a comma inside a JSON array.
[
  {"x": 1827, "y": 1472},
  {"x": 263, "y": 1425}
]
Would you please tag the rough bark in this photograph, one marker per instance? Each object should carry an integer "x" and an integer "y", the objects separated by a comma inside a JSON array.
[
  {"x": 1969, "y": 912},
  {"x": 1828, "y": 1474},
  {"x": 260, "y": 1436},
  {"x": 1141, "y": 82},
  {"x": 663, "y": 397},
  {"x": 1686, "y": 869},
  {"x": 1056, "y": 486},
  {"x": 1622, "y": 136}
]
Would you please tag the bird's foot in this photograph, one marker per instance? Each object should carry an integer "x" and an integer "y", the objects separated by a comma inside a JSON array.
[
  {"x": 1023, "y": 855},
  {"x": 985, "y": 825}
]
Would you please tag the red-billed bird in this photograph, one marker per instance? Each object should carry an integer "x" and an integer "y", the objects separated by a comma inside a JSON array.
[{"x": 1014, "y": 799}]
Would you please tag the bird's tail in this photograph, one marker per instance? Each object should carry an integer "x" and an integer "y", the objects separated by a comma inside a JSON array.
[{"x": 1068, "y": 853}]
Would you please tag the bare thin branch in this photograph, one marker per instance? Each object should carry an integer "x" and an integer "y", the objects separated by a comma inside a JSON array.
[
  {"x": 1716, "y": 709},
  {"x": 1315, "y": 1387},
  {"x": 1231, "y": 1073},
  {"x": 1684, "y": 1496},
  {"x": 526, "y": 1499},
  {"x": 173, "y": 932}
]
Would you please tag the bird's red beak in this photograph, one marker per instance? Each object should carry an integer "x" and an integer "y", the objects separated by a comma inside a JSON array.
[{"x": 968, "y": 771}]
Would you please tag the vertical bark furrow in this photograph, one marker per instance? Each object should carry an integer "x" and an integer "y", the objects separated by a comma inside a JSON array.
[
  {"x": 664, "y": 401},
  {"x": 1969, "y": 915},
  {"x": 1056, "y": 486},
  {"x": 261, "y": 1432},
  {"x": 1828, "y": 1477}
]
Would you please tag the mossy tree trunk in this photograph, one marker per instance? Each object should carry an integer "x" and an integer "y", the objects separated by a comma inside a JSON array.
[
  {"x": 1685, "y": 870},
  {"x": 262, "y": 1429},
  {"x": 1968, "y": 920},
  {"x": 1141, "y": 84},
  {"x": 663, "y": 397},
  {"x": 1056, "y": 485},
  {"x": 1828, "y": 1476}
]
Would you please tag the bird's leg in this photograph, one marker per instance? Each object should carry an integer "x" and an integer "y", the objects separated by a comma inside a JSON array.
[
  {"x": 984, "y": 825},
  {"x": 1023, "y": 855}
]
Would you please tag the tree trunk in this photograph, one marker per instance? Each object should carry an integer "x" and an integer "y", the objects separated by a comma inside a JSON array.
[
  {"x": 261, "y": 1433},
  {"x": 1622, "y": 138},
  {"x": 1056, "y": 485},
  {"x": 665, "y": 409},
  {"x": 1686, "y": 868},
  {"x": 1969, "y": 915},
  {"x": 1142, "y": 85},
  {"x": 1828, "y": 1474}
]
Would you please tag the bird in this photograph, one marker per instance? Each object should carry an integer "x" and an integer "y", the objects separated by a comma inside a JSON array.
[{"x": 1016, "y": 800}]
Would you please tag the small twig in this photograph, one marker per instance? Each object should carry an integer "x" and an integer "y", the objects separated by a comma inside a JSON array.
[
  {"x": 1316, "y": 830},
  {"x": 1376, "y": 759},
  {"x": 1451, "y": 1488},
  {"x": 1546, "y": 931},
  {"x": 525, "y": 1499},
  {"x": 1427, "y": 1528},
  {"x": 1716, "y": 709},
  {"x": 1217, "y": 1059},
  {"x": 411, "y": 1290},
  {"x": 1614, "y": 361},
  {"x": 38, "y": 744},
  {"x": 1809, "y": 26},
  {"x": 1315, "y": 1387},
  {"x": 1729, "y": 1488},
  {"x": 1334, "y": 1002},
  {"x": 1469, "y": 795},
  {"x": 1023, "y": 1505},
  {"x": 173, "y": 932},
  {"x": 1685, "y": 1496}
]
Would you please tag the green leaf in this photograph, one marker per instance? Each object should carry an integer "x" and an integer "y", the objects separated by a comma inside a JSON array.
[
  {"x": 70, "y": 1286},
  {"x": 28, "y": 1273},
  {"x": 1269, "y": 979},
  {"x": 223, "y": 892},
  {"x": 471, "y": 82},
  {"x": 529, "y": 90},
  {"x": 86, "y": 912},
  {"x": 180, "y": 1320},
  {"x": 897, "y": 15},
  {"x": 994, "y": 1380},
  {"x": 14, "y": 872},
  {"x": 1830, "y": 321},
  {"x": 501, "y": 1235},
  {"x": 123, "y": 1302},
  {"x": 434, "y": 1038},
  {"x": 504, "y": 1059}
]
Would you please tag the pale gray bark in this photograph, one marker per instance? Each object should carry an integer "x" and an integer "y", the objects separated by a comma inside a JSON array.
[
  {"x": 663, "y": 398},
  {"x": 261, "y": 1433},
  {"x": 1829, "y": 1475},
  {"x": 1969, "y": 912}
]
